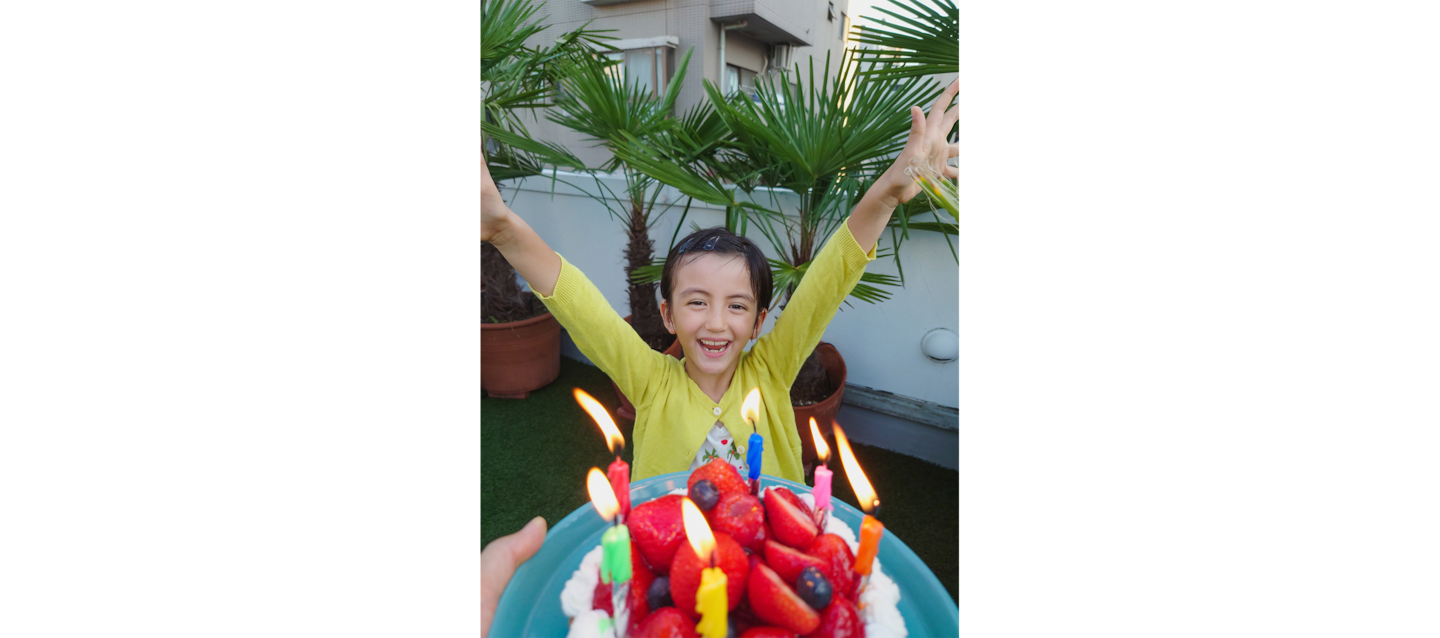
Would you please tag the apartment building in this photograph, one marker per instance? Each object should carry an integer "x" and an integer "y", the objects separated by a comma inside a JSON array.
[{"x": 734, "y": 42}]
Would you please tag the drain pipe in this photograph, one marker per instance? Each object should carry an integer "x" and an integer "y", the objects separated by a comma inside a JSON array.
[{"x": 723, "y": 28}]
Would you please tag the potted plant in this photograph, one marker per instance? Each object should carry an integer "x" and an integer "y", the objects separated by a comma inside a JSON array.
[{"x": 520, "y": 341}]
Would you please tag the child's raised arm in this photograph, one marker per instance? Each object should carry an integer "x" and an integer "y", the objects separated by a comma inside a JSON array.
[
  {"x": 519, "y": 243},
  {"x": 926, "y": 145}
]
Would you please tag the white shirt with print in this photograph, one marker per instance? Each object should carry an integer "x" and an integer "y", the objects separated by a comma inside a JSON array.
[{"x": 719, "y": 444}]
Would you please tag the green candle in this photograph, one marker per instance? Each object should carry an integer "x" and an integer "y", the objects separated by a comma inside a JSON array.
[{"x": 615, "y": 549}]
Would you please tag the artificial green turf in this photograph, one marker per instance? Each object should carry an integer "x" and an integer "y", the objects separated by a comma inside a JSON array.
[{"x": 541, "y": 447}]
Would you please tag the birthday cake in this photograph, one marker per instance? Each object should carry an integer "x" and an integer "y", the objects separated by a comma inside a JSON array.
[{"x": 784, "y": 575}]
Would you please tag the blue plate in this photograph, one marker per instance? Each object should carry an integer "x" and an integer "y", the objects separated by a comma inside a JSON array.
[{"x": 530, "y": 605}]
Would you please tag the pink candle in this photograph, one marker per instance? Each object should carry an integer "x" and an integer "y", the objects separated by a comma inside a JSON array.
[
  {"x": 822, "y": 472},
  {"x": 619, "y": 475},
  {"x": 822, "y": 487}
]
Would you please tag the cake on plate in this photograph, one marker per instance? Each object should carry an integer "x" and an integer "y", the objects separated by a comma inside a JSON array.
[{"x": 784, "y": 575}]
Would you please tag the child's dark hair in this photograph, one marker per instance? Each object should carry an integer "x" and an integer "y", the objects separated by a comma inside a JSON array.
[{"x": 719, "y": 241}]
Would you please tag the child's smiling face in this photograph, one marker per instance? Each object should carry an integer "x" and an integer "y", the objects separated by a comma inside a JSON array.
[{"x": 714, "y": 313}]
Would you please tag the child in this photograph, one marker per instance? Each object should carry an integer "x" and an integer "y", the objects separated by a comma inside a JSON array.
[{"x": 716, "y": 288}]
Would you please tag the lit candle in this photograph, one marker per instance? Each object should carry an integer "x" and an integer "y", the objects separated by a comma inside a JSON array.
[
  {"x": 615, "y": 563},
  {"x": 870, "y": 528},
  {"x": 619, "y": 471},
  {"x": 821, "y": 492},
  {"x": 619, "y": 475},
  {"x": 711, "y": 600},
  {"x": 754, "y": 454}
]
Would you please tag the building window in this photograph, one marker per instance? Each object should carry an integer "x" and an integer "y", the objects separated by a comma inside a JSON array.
[
  {"x": 739, "y": 80},
  {"x": 650, "y": 67},
  {"x": 844, "y": 24},
  {"x": 831, "y": 13}
]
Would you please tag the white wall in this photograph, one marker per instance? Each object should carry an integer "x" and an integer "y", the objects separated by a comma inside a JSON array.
[{"x": 880, "y": 342}]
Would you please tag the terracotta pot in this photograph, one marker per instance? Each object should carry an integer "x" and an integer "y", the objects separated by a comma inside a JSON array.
[
  {"x": 824, "y": 412},
  {"x": 520, "y": 356},
  {"x": 626, "y": 409}
]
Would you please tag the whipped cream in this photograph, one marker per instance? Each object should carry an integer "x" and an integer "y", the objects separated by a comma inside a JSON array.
[
  {"x": 594, "y": 623},
  {"x": 579, "y": 593}
]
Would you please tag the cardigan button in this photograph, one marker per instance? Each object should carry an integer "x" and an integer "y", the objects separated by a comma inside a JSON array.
[{"x": 717, "y": 410}]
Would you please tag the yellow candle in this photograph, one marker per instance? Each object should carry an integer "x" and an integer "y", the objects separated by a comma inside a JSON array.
[
  {"x": 712, "y": 603},
  {"x": 870, "y": 531}
]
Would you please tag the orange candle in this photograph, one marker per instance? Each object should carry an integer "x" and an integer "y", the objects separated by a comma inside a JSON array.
[
  {"x": 870, "y": 532},
  {"x": 870, "y": 528}
]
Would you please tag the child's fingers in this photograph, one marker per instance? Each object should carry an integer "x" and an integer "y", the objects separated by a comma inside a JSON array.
[
  {"x": 954, "y": 150},
  {"x": 951, "y": 172},
  {"x": 937, "y": 110},
  {"x": 917, "y": 126}
]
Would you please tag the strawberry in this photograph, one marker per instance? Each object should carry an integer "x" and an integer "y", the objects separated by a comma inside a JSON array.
[
  {"x": 657, "y": 529},
  {"x": 840, "y": 619},
  {"x": 686, "y": 568},
  {"x": 788, "y": 562},
  {"x": 768, "y": 632},
  {"x": 640, "y": 579},
  {"x": 758, "y": 546},
  {"x": 740, "y": 515},
  {"x": 777, "y": 604},
  {"x": 785, "y": 493},
  {"x": 790, "y": 524},
  {"x": 723, "y": 475},
  {"x": 838, "y": 563},
  {"x": 666, "y": 622}
]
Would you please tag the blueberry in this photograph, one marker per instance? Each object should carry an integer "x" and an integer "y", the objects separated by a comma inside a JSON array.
[
  {"x": 659, "y": 593},
  {"x": 814, "y": 588},
  {"x": 704, "y": 494}
]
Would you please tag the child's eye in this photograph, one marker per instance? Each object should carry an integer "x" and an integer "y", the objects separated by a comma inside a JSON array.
[
  {"x": 736, "y": 306},
  {"x": 695, "y": 302}
]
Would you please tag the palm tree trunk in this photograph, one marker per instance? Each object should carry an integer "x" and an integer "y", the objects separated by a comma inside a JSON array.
[
  {"x": 644, "y": 309},
  {"x": 501, "y": 299}
]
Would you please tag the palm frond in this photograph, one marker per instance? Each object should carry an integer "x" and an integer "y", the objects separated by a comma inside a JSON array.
[{"x": 921, "y": 40}]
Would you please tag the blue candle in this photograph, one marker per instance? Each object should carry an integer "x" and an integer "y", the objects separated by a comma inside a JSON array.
[{"x": 753, "y": 455}]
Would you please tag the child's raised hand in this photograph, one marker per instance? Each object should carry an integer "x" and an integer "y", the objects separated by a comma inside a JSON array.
[
  {"x": 926, "y": 146},
  {"x": 493, "y": 212}
]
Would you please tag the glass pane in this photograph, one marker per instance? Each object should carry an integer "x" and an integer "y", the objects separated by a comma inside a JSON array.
[
  {"x": 640, "y": 67},
  {"x": 732, "y": 79},
  {"x": 616, "y": 71}
]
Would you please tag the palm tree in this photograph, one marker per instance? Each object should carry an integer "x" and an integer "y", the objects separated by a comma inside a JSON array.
[
  {"x": 516, "y": 78},
  {"x": 598, "y": 104}
]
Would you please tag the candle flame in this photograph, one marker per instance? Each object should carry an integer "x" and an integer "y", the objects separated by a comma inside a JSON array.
[
  {"x": 751, "y": 408},
  {"x": 598, "y": 413},
  {"x": 602, "y": 496},
  {"x": 697, "y": 531},
  {"x": 821, "y": 449},
  {"x": 863, "y": 492}
]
